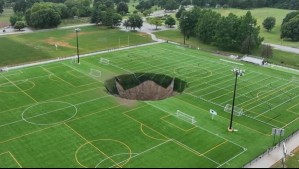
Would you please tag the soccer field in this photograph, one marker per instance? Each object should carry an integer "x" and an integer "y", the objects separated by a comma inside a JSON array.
[{"x": 60, "y": 115}]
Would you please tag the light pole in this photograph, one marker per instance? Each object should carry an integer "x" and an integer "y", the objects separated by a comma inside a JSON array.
[
  {"x": 249, "y": 40},
  {"x": 184, "y": 19},
  {"x": 237, "y": 72},
  {"x": 77, "y": 30}
]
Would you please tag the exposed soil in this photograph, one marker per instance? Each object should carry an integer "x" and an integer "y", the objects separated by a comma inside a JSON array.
[
  {"x": 147, "y": 90},
  {"x": 52, "y": 41},
  {"x": 144, "y": 86}
]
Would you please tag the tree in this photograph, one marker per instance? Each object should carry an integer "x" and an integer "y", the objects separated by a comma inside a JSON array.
[
  {"x": 1, "y": 6},
  {"x": 225, "y": 33},
  {"x": 170, "y": 21},
  {"x": 155, "y": 21},
  {"x": 135, "y": 21},
  {"x": 267, "y": 52},
  {"x": 206, "y": 25},
  {"x": 19, "y": 25},
  {"x": 20, "y": 6},
  {"x": 188, "y": 21},
  {"x": 290, "y": 30},
  {"x": 43, "y": 18},
  {"x": 179, "y": 13},
  {"x": 289, "y": 16},
  {"x": 16, "y": 17},
  {"x": 269, "y": 23},
  {"x": 186, "y": 2},
  {"x": 171, "y": 5},
  {"x": 122, "y": 8},
  {"x": 248, "y": 34}
]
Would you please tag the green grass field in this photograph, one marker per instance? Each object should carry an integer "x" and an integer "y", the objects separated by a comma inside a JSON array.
[
  {"x": 59, "y": 114},
  {"x": 41, "y": 45}
]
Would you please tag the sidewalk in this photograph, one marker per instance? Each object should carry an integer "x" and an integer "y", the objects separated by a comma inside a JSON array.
[{"x": 269, "y": 159}]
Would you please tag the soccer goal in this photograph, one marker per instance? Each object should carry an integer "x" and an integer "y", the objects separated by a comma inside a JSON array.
[
  {"x": 237, "y": 111},
  {"x": 185, "y": 117},
  {"x": 4, "y": 69},
  {"x": 104, "y": 61},
  {"x": 74, "y": 60},
  {"x": 95, "y": 73}
]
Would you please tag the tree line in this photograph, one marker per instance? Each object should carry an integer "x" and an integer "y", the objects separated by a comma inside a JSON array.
[{"x": 226, "y": 32}]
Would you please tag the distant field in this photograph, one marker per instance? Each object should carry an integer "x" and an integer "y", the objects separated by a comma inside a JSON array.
[
  {"x": 41, "y": 45},
  {"x": 59, "y": 114},
  {"x": 4, "y": 17},
  {"x": 260, "y": 14}
]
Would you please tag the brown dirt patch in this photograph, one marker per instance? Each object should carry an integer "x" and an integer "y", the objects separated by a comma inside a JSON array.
[
  {"x": 52, "y": 41},
  {"x": 73, "y": 35},
  {"x": 126, "y": 102},
  {"x": 4, "y": 24},
  {"x": 143, "y": 34}
]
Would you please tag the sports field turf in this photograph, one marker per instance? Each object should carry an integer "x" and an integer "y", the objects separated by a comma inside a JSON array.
[{"x": 59, "y": 115}]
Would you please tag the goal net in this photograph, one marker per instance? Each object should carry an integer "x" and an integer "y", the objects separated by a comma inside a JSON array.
[
  {"x": 74, "y": 60},
  {"x": 237, "y": 111},
  {"x": 104, "y": 61},
  {"x": 185, "y": 117},
  {"x": 95, "y": 73},
  {"x": 4, "y": 69}
]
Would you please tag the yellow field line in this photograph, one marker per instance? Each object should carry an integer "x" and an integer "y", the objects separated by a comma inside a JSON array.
[
  {"x": 175, "y": 141},
  {"x": 141, "y": 128},
  {"x": 27, "y": 134},
  {"x": 20, "y": 89},
  {"x": 215, "y": 147},
  {"x": 92, "y": 145},
  {"x": 15, "y": 159},
  {"x": 266, "y": 95}
]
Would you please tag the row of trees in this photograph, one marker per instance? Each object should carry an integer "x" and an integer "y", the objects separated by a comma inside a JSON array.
[
  {"x": 243, "y": 4},
  {"x": 229, "y": 33},
  {"x": 49, "y": 14},
  {"x": 290, "y": 26}
]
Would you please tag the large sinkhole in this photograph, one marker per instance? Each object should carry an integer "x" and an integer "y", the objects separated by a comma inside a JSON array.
[{"x": 145, "y": 86}]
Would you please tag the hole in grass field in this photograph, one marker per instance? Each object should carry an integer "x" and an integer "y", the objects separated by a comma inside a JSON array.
[{"x": 145, "y": 86}]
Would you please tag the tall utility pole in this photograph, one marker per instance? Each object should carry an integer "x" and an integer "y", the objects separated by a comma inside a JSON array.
[
  {"x": 77, "y": 30},
  {"x": 249, "y": 40},
  {"x": 184, "y": 19},
  {"x": 238, "y": 72}
]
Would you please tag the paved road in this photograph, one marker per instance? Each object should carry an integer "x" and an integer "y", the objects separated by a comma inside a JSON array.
[{"x": 284, "y": 48}]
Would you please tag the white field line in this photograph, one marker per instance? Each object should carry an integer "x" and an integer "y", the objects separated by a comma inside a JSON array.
[
  {"x": 53, "y": 99},
  {"x": 244, "y": 149},
  {"x": 272, "y": 97},
  {"x": 138, "y": 154},
  {"x": 231, "y": 62},
  {"x": 54, "y": 110},
  {"x": 276, "y": 106},
  {"x": 256, "y": 89},
  {"x": 239, "y": 94},
  {"x": 217, "y": 135},
  {"x": 281, "y": 86}
]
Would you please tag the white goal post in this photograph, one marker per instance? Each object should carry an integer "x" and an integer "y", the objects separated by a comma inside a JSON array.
[
  {"x": 95, "y": 73},
  {"x": 185, "y": 117},
  {"x": 4, "y": 69},
  {"x": 104, "y": 61},
  {"x": 237, "y": 111}
]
